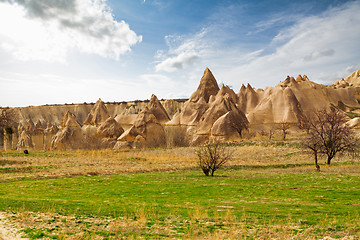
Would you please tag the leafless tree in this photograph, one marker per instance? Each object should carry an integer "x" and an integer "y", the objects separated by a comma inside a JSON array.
[
  {"x": 271, "y": 132},
  {"x": 6, "y": 119},
  {"x": 284, "y": 127},
  {"x": 329, "y": 134},
  {"x": 212, "y": 157}
]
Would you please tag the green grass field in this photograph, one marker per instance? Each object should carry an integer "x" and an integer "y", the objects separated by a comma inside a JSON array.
[{"x": 252, "y": 201}]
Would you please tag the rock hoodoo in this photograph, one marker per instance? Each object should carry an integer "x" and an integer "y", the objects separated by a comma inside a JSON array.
[
  {"x": 146, "y": 131},
  {"x": 69, "y": 136},
  {"x": 210, "y": 114},
  {"x": 158, "y": 110},
  {"x": 208, "y": 86},
  {"x": 97, "y": 115},
  {"x": 197, "y": 105}
]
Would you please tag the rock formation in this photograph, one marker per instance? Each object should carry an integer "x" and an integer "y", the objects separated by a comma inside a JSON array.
[
  {"x": 210, "y": 114},
  {"x": 197, "y": 105},
  {"x": 229, "y": 126},
  {"x": 108, "y": 132},
  {"x": 38, "y": 136},
  {"x": 69, "y": 136},
  {"x": 98, "y": 114},
  {"x": 146, "y": 131},
  {"x": 248, "y": 98},
  {"x": 49, "y": 133},
  {"x": 158, "y": 110},
  {"x": 351, "y": 80},
  {"x": 207, "y": 87},
  {"x": 25, "y": 141}
]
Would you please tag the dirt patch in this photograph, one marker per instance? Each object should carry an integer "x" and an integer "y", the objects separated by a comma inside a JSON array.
[{"x": 7, "y": 230}]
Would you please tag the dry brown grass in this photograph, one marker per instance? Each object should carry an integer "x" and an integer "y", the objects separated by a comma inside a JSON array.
[
  {"x": 95, "y": 162},
  {"x": 196, "y": 227},
  {"x": 104, "y": 162}
]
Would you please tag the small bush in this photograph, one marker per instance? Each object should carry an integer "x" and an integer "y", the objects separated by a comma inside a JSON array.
[{"x": 212, "y": 157}]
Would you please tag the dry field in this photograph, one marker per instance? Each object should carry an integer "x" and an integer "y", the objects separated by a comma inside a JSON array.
[
  {"x": 57, "y": 164},
  {"x": 254, "y": 163}
]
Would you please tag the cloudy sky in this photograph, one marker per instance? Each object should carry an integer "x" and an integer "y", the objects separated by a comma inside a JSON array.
[{"x": 74, "y": 51}]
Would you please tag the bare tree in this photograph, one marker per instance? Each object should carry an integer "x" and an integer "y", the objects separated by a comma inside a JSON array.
[
  {"x": 284, "y": 126},
  {"x": 212, "y": 157},
  {"x": 6, "y": 118},
  {"x": 329, "y": 134},
  {"x": 271, "y": 132}
]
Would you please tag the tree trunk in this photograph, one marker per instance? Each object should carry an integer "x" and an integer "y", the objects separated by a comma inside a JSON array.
[
  {"x": 316, "y": 161},
  {"x": 328, "y": 160},
  {"x": 284, "y": 135}
]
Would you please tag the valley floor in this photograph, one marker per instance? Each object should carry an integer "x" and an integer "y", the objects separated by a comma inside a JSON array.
[{"x": 270, "y": 189}]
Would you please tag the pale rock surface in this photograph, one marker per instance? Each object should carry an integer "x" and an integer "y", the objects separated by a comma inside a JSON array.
[
  {"x": 230, "y": 125},
  {"x": 158, "y": 110},
  {"x": 110, "y": 129},
  {"x": 38, "y": 136},
  {"x": 354, "y": 123},
  {"x": 49, "y": 132},
  {"x": 192, "y": 112},
  {"x": 221, "y": 105},
  {"x": 208, "y": 86},
  {"x": 351, "y": 80},
  {"x": 69, "y": 136},
  {"x": 25, "y": 141},
  {"x": 248, "y": 98},
  {"x": 292, "y": 98},
  {"x": 175, "y": 121},
  {"x": 98, "y": 114},
  {"x": 126, "y": 118},
  {"x": 172, "y": 106},
  {"x": 197, "y": 105},
  {"x": 146, "y": 127}
]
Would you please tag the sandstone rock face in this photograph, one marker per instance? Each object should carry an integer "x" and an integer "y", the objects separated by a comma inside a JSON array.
[
  {"x": 38, "y": 136},
  {"x": 172, "y": 106},
  {"x": 207, "y": 87},
  {"x": 192, "y": 112},
  {"x": 110, "y": 129},
  {"x": 158, "y": 110},
  {"x": 97, "y": 115},
  {"x": 230, "y": 125},
  {"x": 216, "y": 121},
  {"x": 146, "y": 130},
  {"x": 354, "y": 123},
  {"x": 351, "y": 80},
  {"x": 219, "y": 107},
  {"x": 126, "y": 119},
  {"x": 210, "y": 114},
  {"x": 292, "y": 98},
  {"x": 248, "y": 98},
  {"x": 49, "y": 133},
  {"x": 69, "y": 136},
  {"x": 108, "y": 132},
  {"x": 69, "y": 120},
  {"x": 197, "y": 105},
  {"x": 25, "y": 141}
]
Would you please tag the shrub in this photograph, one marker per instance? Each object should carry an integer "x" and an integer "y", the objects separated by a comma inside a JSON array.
[{"x": 212, "y": 157}]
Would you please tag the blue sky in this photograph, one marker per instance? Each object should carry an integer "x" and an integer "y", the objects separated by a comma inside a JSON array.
[{"x": 74, "y": 51}]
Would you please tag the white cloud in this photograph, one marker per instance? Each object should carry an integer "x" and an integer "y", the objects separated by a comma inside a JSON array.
[
  {"x": 319, "y": 53},
  {"x": 157, "y": 80},
  {"x": 49, "y": 29},
  {"x": 178, "y": 62},
  {"x": 321, "y": 46},
  {"x": 182, "y": 52}
]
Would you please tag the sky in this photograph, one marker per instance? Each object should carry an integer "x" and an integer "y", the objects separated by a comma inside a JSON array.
[{"x": 75, "y": 51}]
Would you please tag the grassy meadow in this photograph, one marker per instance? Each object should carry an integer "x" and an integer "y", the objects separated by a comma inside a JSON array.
[{"x": 270, "y": 189}]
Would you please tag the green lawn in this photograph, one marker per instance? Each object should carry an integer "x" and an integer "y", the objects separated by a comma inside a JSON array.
[{"x": 327, "y": 203}]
